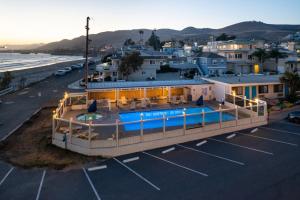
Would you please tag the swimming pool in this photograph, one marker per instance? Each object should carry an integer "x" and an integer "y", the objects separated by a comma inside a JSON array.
[{"x": 154, "y": 114}]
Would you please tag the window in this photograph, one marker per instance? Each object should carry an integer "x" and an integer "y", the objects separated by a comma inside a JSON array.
[
  {"x": 278, "y": 88},
  {"x": 238, "y": 90},
  {"x": 114, "y": 73},
  {"x": 152, "y": 62},
  {"x": 263, "y": 89},
  {"x": 214, "y": 62}
]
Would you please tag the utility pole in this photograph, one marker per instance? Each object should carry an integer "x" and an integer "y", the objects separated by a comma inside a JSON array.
[{"x": 86, "y": 51}]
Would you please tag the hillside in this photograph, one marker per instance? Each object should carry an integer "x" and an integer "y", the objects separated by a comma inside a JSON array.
[{"x": 243, "y": 30}]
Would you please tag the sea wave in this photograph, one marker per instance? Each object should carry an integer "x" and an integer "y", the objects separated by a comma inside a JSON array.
[{"x": 17, "y": 61}]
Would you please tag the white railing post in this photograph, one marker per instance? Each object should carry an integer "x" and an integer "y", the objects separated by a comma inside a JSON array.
[
  {"x": 70, "y": 129},
  {"x": 53, "y": 126},
  {"x": 142, "y": 127},
  {"x": 265, "y": 110},
  {"x": 236, "y": 115},
  {"x": 245, "y": 101},
  {"x": 117, "y": 132},
  {"x": 184, "y": 122},
  {"x": 164, "y": 124},
  {"x": 251, "y": 112},
  {"x": 220, "y": 115},
  {"x": 203, "y": 118},
  {"x": 234, "y": 99},
  {"x": 90, "y": 133}
]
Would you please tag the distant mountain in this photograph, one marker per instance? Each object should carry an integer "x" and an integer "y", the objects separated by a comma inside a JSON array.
[{"x": 243, "y": 30}]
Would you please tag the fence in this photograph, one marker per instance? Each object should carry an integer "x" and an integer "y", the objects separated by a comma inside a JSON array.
[{"x": 108, "y": 139}]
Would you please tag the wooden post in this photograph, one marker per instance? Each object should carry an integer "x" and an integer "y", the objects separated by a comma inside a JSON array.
[
  {"x": 245, "y": 101},
  {"x": 164, "y": 124},
  {"x": 184, "y": 122},
  {"x": 142, "y": 127},
  {"x": 251, "y": 113},
  {"x": 53, "y": 127},
  {"x": 220, "y": 115},
  {"x": 236, "y": 115},
  {"x": 70, "y": 129},
  {"x": 117, "y": 132},
  {"x": 203, "y": 118},
  {"x": 90, "y": 133},
  {"x": 233, "y": 99}
]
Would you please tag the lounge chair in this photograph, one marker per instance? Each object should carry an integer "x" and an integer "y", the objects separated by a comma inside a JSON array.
[
  {"x": 182, "y": 99},
  {"x": 144, "y": 103},
  {"x": 174, "y": 100},
  {"x": 123, "y": 100},
  {"x": 132, "y": 105}
]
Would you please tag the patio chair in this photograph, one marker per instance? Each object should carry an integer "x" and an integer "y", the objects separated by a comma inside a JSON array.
[
  {"x": 174, "y": 100},
  {"x": 123, "y": 100},
  {"x": 132, "y": 105},
  {"x": 143, "y": 103},
  {"x": 182, "y": 99}
]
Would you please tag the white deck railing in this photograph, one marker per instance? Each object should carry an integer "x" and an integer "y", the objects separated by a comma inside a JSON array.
[{"x": 87, "y": 137}]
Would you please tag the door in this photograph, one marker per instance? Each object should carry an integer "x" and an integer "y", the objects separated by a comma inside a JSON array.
[
  {"x": 254, "y": 93},
  {"x": 247, "y": 92}
]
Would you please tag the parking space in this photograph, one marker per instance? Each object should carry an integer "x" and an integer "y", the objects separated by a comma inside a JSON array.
[
  {"x": 117, "y": 182},
  {"x": 260, "y": 163},
  {"x": 4, "y": 171},
  {"x": 21, "y": 184},
  {"x": 66, "y": 185}
]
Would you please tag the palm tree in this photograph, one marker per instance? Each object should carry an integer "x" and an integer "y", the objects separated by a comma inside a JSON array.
[
  {"x": 261, "y": 54},
  {"x": 292, "y": 81},
  {"x": 275, "y": 53}
]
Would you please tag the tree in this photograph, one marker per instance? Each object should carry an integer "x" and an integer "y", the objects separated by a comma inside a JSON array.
[
  {"x": 6, "y": 80},
  {"x": 225, "y": 37},
  {"x": 292, "y": 81},
  {"x": 130, "y": 63},
  {"x": 154, "y": 41},
  {"x": 260, "y": 54},
  {"x": 129, "y": 42},
  {"x": 275, "y": 53}
]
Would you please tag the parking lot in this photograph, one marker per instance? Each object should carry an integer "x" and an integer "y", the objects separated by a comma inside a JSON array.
[{"x": 262, "y": 163}]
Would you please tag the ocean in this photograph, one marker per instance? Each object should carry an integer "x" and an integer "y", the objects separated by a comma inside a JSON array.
[{"x": 17, "y": 61}]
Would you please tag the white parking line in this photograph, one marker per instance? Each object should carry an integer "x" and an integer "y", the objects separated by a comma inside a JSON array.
[
  {"x": 168, "y": 150},
  {"x": 210, "y": 154},
  {"x": 244, "y": 147},
  {"x": 41, "y": 184},
  {"x": 269, "y": 139},
  {"x": 181, "y": 166},
  {"x": 6, "y": 175},
  {"x": 97, "y": 168},
  {"x": 201, "y": 143},
  {"x": 231, "y": 136},
  {"x": 131, "y": 159},
  {"x": 137, "y": 174},
  {"x": 254, "y": 130},
  {"x": 280, "y": 131},
  {"x": 92, "y": 185}
]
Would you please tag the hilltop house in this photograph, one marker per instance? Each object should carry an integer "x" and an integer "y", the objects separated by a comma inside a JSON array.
[
  {"x": 211, "y": 63},
  {"x": 237, "y": 52},
  {"x": 152, "y": 62}
]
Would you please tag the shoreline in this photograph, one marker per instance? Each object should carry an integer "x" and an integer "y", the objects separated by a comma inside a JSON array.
[{"x": 25, "y": 77}]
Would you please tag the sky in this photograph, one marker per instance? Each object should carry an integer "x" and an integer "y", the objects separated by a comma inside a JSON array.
[{"x": 43, "y": 21}]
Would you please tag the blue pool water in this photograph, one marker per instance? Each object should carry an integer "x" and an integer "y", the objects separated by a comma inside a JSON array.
[{"x": 154, "y": 114}]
